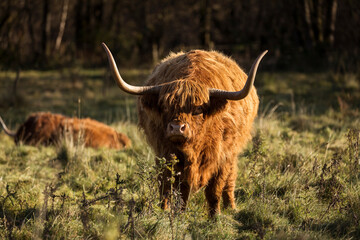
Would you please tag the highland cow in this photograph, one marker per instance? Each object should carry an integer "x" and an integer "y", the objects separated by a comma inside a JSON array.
[
  {"x": 200, "y": 107},
  {"x": 48, "y": 129}
]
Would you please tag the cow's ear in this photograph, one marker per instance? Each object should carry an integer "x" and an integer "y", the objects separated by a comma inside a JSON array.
[
  {"x": 150, "y": 102},
  {"x": 216, "y": 105}
]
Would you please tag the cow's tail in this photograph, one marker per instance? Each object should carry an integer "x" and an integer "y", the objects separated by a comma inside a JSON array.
[{"x": 6, "y": 130}]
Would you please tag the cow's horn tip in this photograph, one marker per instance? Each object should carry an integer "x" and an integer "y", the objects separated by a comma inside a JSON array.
[{"x": 104, "y": 45}]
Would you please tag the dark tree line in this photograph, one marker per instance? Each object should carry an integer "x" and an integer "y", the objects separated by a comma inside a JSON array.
[{"x": 44, "y": 33}]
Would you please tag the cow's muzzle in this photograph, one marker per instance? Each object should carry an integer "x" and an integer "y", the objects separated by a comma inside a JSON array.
[{"x": 177, "y": 132}]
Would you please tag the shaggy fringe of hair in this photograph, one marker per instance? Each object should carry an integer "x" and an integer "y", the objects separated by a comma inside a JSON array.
[{"x": 184, "y": 94}]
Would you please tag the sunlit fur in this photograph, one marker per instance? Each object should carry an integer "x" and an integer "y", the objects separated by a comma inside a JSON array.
[
  {"x": 47, "y": 128},
  {"x": 218, "y": 134}
]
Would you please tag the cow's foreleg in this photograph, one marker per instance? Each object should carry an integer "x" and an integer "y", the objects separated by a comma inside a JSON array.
[
  {"x": 228, "y": 191},
  {"x": 165, "y": 189},
  {"x": 165, "y": 193},
  {"x": 185, "y": 191},
  {"x": 213, "y": 192}
]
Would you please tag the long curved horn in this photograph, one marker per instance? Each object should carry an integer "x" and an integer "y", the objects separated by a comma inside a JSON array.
[
  {"x": 6, "y": 130},
  {"x": 245, "y": 91},
  {"x": 135, "y": 90}
]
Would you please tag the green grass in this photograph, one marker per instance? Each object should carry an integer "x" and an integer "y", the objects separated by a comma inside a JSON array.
[{"x": 297, "y": 179}]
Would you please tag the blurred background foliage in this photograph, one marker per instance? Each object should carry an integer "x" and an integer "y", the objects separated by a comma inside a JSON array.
[{"x": 301, "y": 35}]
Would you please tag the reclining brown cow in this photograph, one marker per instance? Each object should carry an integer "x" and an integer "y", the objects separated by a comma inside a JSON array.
[{"x": 48, "y": 129}]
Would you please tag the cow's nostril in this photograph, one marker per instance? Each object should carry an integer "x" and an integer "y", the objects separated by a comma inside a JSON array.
[
  {"x": 182, "y": 128},
  {"x": 176, "y": 128}
]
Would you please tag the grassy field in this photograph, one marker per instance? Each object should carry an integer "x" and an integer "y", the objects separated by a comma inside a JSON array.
[{"x": 297, "y": 179}]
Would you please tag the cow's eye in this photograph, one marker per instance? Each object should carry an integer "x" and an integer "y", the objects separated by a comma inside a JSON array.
[{"x": 197, "y": 111}]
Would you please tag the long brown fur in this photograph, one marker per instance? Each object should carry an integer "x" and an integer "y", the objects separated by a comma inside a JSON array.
[
  {"x": 47, "y": 129},
  {"x": 217, "y": 135}
]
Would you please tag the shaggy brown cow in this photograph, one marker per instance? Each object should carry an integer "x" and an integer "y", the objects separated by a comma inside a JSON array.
[
  {"x": 47, "y": 128},
  {"x": 199, "y": 106}
]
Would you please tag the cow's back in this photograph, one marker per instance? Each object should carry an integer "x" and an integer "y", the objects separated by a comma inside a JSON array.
[{"x": 96, "y": 134}]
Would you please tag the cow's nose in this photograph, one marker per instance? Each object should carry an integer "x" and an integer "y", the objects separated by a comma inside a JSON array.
[{"x": 176, "y": 128}]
